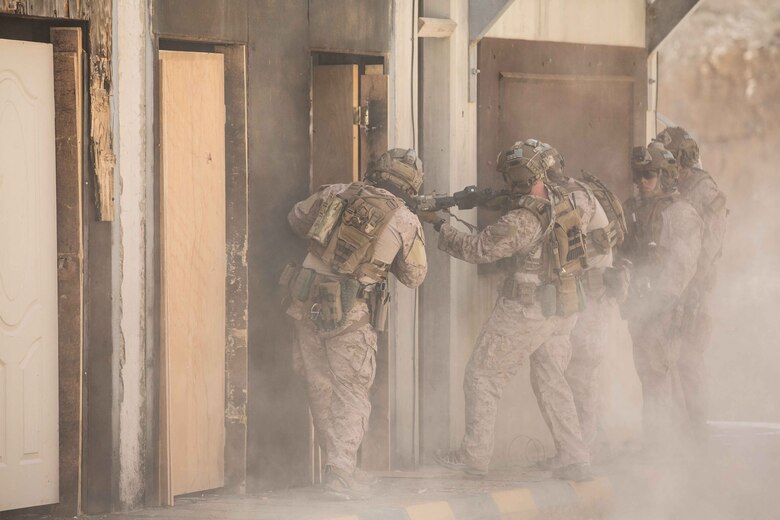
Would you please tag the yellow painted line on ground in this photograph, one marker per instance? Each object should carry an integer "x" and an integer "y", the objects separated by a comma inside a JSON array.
[
  {"x": 595, "y": 495},
  {"x": 516, "y": 504},
  {"x": 430, "y": 511}
]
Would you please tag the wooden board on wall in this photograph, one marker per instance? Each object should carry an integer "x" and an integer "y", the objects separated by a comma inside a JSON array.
[
  {"x": 193, "y": 271},
  {"x": 334, "y": 132},
  {"x": 68, "y": 96}
]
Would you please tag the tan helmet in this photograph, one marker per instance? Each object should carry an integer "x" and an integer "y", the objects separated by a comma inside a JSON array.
[
  {"x": 525, "y": 163},
  {"x": 397, "y": 169},
  {"x": 655, "y": 160},
  {"x": 557, "y": 164},
  {"x": 681, "y": 144}
]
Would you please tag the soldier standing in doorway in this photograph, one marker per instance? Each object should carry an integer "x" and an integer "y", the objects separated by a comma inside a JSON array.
[
  {"x": 662, "y": 243},
  {"x": 540, "y": 241},
  {"x": 357, "y": 233},
  {"x": 701, "y": 191},
  {"x": 602, "y": 284}
]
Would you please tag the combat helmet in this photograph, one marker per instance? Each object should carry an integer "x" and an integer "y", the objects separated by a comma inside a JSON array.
[
  {"x": 681, "y": 144},
  {"x": 525, "y": 163},
  {"x": 557, "y": 165},
  {"x": 654, "y": 159},
  {"x": 400, "y": 171}
]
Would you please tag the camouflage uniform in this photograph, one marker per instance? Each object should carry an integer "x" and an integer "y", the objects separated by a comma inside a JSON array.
[
  {"x": 514, "y": 332},
  {"x": 589, "y": 336},
  {"x": 701, "y": 191},
  {"x": 663, "y": 243},
  {"x": 339, "y": 365}
]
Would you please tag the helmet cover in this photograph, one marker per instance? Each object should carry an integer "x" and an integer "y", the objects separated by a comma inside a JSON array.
[
  {"x": 399, "y": 168},
  {"x": 655, "y": 159},
  {"x": 684, "y": 147},
  {"x": 526, "y": 163}
]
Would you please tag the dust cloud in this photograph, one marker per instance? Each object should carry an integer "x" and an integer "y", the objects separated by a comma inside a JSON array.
[{"x": 719, "y": 77}]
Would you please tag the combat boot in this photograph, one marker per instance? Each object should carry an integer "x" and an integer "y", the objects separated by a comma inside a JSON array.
[
  {"x": 342, "y": 485},
  {"x": 453, "y": 459}
]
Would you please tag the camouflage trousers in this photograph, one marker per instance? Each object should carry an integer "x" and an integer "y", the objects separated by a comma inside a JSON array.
[
  {"x": 695, "y": 337},
  {"x": 656, "y": 352},
  {"x": 589, "y": 343},
  {"x": 339, "y": 368},
  {"x": 506, "y": 340}
]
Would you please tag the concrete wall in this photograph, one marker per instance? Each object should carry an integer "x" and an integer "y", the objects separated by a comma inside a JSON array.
[
  {"x": 129, "y": 233},
  {"x": 605, "y": 22}
]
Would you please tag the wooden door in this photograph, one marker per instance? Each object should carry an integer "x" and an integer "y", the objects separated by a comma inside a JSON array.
[
  {"x": 334, "y": 146},
  {"x": 28, "y": 278},
  {"x": 192, "y": 200}
]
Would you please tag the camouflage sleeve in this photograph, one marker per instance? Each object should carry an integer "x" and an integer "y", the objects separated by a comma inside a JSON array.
[
  {"x": 304, "y": 213},
  {"x": 517, "y": 231},
  {"x": 679, "y": 247},
  {"x": 714, "y": 215},
  {"x": 410, "y": 264}
]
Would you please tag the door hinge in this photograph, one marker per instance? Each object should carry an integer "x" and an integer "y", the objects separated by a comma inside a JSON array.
[{"x": 361, "y": 117}]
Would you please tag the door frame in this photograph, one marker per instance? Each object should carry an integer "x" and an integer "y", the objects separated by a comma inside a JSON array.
[
  {"x": 71, "y": 101},
  {"x": 236, "y": 282},
  {"x": 382, "y": 446}
]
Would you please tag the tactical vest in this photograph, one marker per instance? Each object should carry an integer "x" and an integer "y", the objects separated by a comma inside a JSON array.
[
  {"x": 644, "y": 227},
  {"x": 346, "y": 229},
  {"x": 605, "y": 239},
  {"x": 558, "y": 259}
]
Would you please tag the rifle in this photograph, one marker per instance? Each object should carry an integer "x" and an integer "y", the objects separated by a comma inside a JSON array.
[{"x": 468, "y": 198}]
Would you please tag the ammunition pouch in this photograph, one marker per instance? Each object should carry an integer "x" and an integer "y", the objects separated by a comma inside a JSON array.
[
  {"x": 525, "y": 293},
  {"x": 328, "y": 299},
  {"x": 569, "y": 295},
  {"x": 563, "y": 298},
  {"x": 593, "y": 283}
]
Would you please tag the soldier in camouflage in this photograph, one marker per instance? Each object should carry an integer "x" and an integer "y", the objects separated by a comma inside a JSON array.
[
  {"x": 603, "y": 284},
  {"x": 662, "y": 243},
  {"x": 701, "y": 191},
  {"x": 540, "y": 243},
  {"x": 357, "y": 234}
]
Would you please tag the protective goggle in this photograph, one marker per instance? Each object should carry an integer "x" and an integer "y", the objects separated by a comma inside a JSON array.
[{"x": 645, "y": 174}]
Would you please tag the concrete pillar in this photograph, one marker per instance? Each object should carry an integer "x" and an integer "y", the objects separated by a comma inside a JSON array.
[
  {"x": 129, "y": 248},
  {"x": 402, "y": 328},
  {"x": 448, "y": 143}
]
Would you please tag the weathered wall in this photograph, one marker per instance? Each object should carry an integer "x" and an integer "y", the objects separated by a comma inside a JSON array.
[
  {"x": 279, "y": 78},
  {"x": 606, "y": 22},
  {"x": 350, "y": 25},
  {"x": 207, "y": 21},
  {"x": 720, "y": 79}
]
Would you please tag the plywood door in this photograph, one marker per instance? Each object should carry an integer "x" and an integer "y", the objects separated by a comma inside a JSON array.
[
  {"x": 375, "y": 450},
  {"x": 334, "y": 156},
  {"x": 193, "y": 270},
  {"x": 28, "y": 278}
]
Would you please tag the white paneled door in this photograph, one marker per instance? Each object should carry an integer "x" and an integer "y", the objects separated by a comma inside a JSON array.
[{"x": 28, "y": 278}]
